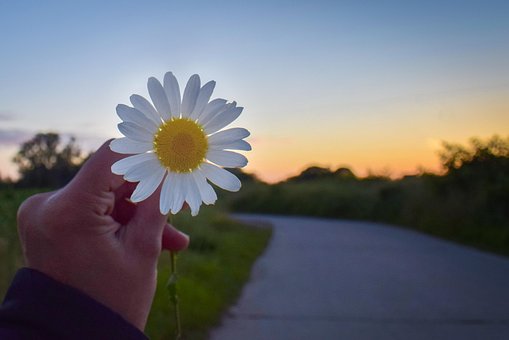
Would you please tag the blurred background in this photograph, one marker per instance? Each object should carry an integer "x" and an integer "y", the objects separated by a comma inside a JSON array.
[{"x": 391, "y": 111}]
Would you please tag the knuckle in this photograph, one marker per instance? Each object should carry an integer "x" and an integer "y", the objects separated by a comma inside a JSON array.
[
  {"x": 28, "y": 223},
  {"x": 41, "y": 212},
  {"x": 28, "y": 210}
]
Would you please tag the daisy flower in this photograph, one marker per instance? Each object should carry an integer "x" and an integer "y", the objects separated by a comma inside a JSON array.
[{"x": 179, "y": 141}]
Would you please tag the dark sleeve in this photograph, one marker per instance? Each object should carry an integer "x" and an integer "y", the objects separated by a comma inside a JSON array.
[{"x": 38, "y": 307}]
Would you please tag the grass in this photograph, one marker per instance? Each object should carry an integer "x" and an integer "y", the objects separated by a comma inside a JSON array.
[
  {"x": 474, "y": 214},
  {"x": 211, "y": 272},
  {"x": 467, "y": 203},
  {"x": 10, "y": 250}
]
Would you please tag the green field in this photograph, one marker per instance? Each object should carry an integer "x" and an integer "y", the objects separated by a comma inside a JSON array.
[{"x": 212, "y": 271}]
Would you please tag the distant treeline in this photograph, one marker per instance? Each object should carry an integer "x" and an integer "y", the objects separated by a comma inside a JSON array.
[
  {"x": 469, "y": 203},
  {"x": 46, "y": 162}
]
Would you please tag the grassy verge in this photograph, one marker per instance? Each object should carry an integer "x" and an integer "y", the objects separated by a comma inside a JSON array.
[
  {"x": 474, "y": 214},
  {"x": 10, "y": 252},
  {"x": 212, "y": 271}
]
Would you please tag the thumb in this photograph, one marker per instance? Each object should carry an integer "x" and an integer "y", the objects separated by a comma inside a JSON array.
[{"x": 173, "y": 239}]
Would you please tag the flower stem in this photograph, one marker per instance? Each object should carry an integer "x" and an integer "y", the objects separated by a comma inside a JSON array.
[{"x": 172, "y": 288}]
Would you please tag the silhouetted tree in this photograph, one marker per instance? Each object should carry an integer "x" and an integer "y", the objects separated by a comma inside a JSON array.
[
  {"x": 43, "y": 162},
  {"x": 316, "y": 173},
  {"x": 479, "y": 175},
  {"x": 344, "y": 173},
  {"x": 243, "y": 176},
  {"x": 493, "y": 150},
  {"x": 312, "y": 173}
]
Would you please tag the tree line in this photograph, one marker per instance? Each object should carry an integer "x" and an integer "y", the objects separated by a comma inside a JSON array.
[
  {"x": 46, "y": 161},
  {"x": 467, "y": 202}
]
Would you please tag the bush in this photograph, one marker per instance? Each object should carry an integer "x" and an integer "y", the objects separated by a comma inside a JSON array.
[{"x": 469, "y": 203}]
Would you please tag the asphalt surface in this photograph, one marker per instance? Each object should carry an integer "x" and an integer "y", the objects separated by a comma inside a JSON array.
[{"x": 333, "y": 279}]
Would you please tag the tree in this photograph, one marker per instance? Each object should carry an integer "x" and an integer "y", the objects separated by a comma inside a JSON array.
[
  {"x": 312, "y": 173},
  {"x": 478, "y": 177},
  {"x": 344, "y": 173},
  {"x": 492, "y": 150},
  {"x": 43, "y": 162}
]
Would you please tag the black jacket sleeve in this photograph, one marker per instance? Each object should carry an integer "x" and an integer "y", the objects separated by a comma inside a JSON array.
[{"x": 38, "y": 307}]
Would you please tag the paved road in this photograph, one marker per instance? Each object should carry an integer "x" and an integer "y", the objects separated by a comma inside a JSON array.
[{"x": 330, "y": 279}]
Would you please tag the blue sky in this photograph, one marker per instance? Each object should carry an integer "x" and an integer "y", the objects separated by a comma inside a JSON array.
[{"x": 365, "y": 84}]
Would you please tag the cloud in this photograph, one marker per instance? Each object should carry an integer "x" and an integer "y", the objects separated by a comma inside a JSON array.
[
  {"x": 14, "y": 136},
  {"x": 7, "y": 116}
]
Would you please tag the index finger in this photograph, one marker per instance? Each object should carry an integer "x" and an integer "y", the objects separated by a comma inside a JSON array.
[{"x": 96, "y": 173}]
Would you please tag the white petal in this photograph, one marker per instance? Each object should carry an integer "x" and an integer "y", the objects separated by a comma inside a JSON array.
[
  {"x": 120, "y": 167},
  {"x": 222, "y": 119},
  {"x": 220, "y": 177},
  {"x": 135, "y": 132},
  {"x": 129, "y": 146},
  {"x": 207, "y": 193},
  {"x": 172, "y": 89},
  {"x": 190, "y": 95},
  {"x": 144, "y": 106},
  {"x": 142, "y": 170},
  {"x": 235, "y": 145},
  {"x": 211, "y": 109},
  {"x": 203, "y": 99},
  {"x": 147, "y": 186},
  {"x": 227, "y": 159},
  {"x": 130, "y": 114},
  {"x": 179, "y": 194},
  {"x": 166, "y": 197},
  {"x": 158, "y": 96},
  {"x": 228, "y": 136},
  {"x": 193, "y": 197}
]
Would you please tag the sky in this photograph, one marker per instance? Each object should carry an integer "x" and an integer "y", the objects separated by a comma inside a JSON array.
[{"x": 372, "y": 85}]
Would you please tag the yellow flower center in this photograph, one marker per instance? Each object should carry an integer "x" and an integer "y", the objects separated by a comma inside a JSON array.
[{"x": 180, "y": 144}]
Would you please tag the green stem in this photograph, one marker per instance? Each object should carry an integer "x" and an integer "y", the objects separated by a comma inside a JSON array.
[{"x": 172, "y": 289}]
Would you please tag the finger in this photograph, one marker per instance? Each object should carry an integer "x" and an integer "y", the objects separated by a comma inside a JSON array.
[
  {"x": 95, "y": 175},
  {"x": 173, "y": 239},
  {"x": 123, "y": 209},
  {"x": 145, "y": 229}
]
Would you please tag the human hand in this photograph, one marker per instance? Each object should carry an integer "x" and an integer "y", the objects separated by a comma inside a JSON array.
[{"x": 90, "y": 236}]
